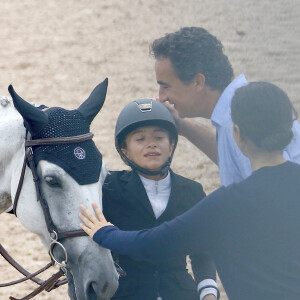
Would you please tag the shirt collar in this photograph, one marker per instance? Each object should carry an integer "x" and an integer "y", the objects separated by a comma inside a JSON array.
[
  {"x": 165, "y": 182},
  {"x": 224, "y": 102}
]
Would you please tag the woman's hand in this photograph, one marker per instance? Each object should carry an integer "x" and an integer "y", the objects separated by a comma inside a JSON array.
[{"x": 91, "y": 222}]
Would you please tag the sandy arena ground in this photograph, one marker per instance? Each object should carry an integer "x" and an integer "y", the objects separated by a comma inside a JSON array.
[{"x": 55, "y": 52}]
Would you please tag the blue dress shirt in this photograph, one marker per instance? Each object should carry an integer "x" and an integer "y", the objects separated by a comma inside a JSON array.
[{"x": 234, "y": 166}]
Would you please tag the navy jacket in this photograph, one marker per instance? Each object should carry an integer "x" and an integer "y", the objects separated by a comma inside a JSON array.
[{"x": 126, "y": 205}]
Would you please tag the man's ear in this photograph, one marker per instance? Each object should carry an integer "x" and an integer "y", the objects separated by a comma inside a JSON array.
[{"x": 199, "y": 81}]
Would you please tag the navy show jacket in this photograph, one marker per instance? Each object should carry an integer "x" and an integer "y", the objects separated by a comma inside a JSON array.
[{"x": 126, "y": 205}]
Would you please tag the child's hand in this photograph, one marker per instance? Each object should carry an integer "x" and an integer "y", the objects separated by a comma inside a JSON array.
[{"x": 92, "y": 223}]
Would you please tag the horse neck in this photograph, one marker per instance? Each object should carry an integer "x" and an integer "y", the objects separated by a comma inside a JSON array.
[{"x": 11, "y": 158}]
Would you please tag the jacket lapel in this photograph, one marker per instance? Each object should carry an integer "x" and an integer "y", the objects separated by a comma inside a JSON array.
[
  {"x": 175, "y": 197},
  {"x": 137, "y": 192}
]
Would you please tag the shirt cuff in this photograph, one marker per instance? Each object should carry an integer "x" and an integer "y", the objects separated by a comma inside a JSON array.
[
  {"x": 101, "y": 233},
  {"x": 212, "y": 289}
]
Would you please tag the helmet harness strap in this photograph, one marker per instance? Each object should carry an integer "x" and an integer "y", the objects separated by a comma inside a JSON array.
[{"x": 163, "y": 170}]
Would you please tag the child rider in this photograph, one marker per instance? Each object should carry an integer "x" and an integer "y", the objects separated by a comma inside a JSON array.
[{"x": 146, "y": 196}]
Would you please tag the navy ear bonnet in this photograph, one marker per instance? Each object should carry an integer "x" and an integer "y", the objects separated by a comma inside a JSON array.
[{"x": 80, "y": 160}]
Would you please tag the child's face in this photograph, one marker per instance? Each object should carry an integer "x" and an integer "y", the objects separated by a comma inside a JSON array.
[{"x": 149, "y": 147}]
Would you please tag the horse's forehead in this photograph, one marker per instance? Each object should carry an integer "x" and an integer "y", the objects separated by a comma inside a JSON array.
[
  {"x": 59, "y": 116},
  {"x": 62, "y": 122},
  {"x": 49, "y": 169},
  {"x": 81, "y": 160},
  {"x": 59, "y": 112}
]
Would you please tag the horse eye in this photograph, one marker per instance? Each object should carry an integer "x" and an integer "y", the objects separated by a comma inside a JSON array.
[{"x": 52, "y": 181}]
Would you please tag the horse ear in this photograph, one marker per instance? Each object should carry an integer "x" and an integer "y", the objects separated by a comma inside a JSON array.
[
  {"x": 90, "y": 107},
  {"x": 34, "y": 118}
]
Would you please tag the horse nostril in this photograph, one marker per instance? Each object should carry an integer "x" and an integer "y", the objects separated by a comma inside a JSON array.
[
  {"x": 104, "y": 288},
  {"x": 93, "y": 288},
  {"x": 91, "y": 293}
]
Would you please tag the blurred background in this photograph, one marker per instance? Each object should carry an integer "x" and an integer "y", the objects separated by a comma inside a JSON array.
[{"x": 55, "y": 52}]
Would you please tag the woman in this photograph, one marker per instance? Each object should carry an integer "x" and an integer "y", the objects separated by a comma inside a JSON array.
[{"x": 250, "y": 228}]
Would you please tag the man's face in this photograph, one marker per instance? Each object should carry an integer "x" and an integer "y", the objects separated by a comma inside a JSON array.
[{"x": 185, "y": 97}]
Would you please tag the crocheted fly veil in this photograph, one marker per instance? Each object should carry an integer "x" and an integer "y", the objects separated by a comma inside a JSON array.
[{"x": 81, "y": 160}]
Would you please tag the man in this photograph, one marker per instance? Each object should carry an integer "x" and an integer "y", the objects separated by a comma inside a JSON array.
[{"x": 196, "y": 78}]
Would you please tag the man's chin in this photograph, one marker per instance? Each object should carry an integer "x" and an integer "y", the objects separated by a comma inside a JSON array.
[
  {"x": 183, "y": 115},
  {"x": 190, "y": 114}
]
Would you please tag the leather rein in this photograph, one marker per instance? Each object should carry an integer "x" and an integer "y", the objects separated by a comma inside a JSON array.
[{"x": 53, "y": 282}]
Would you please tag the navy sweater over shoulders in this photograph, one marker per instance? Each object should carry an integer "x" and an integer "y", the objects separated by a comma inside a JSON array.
[{"x": 251, "y": 229}]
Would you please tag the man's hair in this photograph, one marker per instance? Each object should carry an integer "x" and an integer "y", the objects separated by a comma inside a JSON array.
[{"x": 194, "y": 50}]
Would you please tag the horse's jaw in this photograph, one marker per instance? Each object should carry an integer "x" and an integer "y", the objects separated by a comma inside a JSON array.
[
  {"x": 88, "y": 280},
  {"x": 11, "y": 160},
  {"x": 10, "y": 170},
  {"x": 90, "y": 269}
]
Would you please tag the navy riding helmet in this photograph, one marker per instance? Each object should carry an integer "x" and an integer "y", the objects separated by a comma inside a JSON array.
[{"x": 144, "y": 112}]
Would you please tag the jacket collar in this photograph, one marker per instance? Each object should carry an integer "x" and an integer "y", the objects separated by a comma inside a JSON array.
[{"x": 138, "y": 193}]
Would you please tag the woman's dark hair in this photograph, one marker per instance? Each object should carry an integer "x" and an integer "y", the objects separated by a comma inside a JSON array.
[
  {"x": 194, "y": 50},
  {"x": 264, "y": 114}
]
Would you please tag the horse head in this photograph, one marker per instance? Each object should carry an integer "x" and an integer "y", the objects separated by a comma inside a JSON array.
[{"x": 68, "y": 174}]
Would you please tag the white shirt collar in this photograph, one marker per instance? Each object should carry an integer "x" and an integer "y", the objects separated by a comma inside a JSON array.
[
  {"x": 162, "y": 182},
  {"x": 158, "y": 192}
]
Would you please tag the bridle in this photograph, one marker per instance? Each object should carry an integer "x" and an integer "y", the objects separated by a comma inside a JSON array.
[
  {"x": 55, "y": 235},
  {"x": 28, "y": 159}
]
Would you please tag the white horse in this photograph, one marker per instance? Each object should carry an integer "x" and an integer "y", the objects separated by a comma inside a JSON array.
[{"x": 90, "y": 269}]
